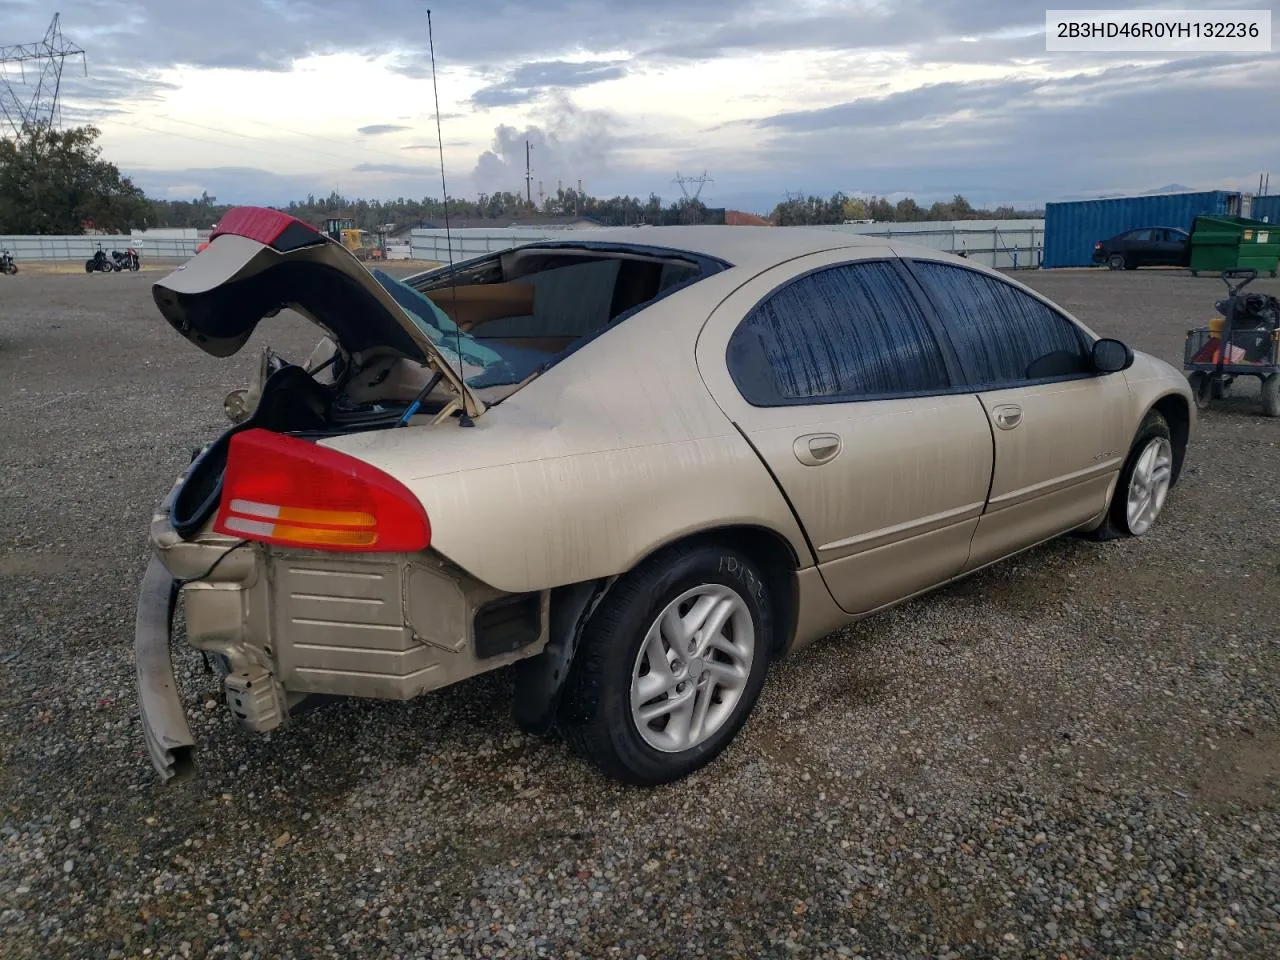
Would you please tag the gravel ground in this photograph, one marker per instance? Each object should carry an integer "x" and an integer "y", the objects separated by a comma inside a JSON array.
[{"x": 1072, "y": 755}]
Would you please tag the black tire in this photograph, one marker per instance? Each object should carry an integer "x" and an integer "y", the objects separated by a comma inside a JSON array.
[
  {"x": 1201, "y": 385},
  {"x": 1116, "y": 525},
  {"x": 88, "y": 266},
  {"x": 1271, "y": 395},
  {"x": 1116, "y": 262},
  {"x": 596, "y": 717}
]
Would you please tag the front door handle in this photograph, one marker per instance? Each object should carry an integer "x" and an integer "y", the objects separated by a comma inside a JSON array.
[
  {"x": 815, "y": 449},
  {"x": 1007, "y": 416}
]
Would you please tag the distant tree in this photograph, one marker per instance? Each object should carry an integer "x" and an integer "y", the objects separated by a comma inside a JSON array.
[
  {"x": 854, "y": 209},
  {"x": 881, "y": 209},
  {"x": 907, "y": 211},
  {"x": 54, "y": 181}
]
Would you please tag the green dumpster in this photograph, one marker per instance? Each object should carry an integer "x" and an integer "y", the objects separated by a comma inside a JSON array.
[{"x": 1229, "y": 243}]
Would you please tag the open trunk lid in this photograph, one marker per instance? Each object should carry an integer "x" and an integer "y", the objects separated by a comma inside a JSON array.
[{"x": 261, "y": 261}]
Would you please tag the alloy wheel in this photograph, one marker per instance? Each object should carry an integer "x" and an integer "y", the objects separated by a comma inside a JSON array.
[
  {"x": 692, "y": 668},
  {"x": 1149, "y": 485}
]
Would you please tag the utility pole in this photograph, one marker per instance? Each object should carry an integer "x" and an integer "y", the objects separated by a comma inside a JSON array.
[{"x": 528, "y": 174}]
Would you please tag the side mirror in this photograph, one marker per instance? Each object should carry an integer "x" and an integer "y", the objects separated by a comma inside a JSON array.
[{"x": 1111, "y": 356}]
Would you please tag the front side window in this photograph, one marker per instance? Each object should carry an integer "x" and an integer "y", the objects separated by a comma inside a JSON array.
[
  {"x": 1003, "y": 334},
  {"x": 845, "y": 332}
]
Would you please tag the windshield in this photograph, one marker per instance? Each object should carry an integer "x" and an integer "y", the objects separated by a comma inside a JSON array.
[{"x": 483, "y": 364}]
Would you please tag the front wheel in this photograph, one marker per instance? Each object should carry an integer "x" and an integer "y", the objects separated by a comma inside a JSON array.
[
  {"x": 1144, "y": 484},
  {"x": 670, "y": 665}
]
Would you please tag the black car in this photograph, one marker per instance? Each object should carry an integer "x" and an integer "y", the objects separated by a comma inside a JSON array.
[{"x": 1145, "y": 247}]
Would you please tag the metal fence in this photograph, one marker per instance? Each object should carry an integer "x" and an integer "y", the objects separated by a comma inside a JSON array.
[
  {"x": 997, "y": 243},
  {"x": 83, "y": 247},
  {"x": 428, "y": 244},
  {"x": 1005, "y": 244}
]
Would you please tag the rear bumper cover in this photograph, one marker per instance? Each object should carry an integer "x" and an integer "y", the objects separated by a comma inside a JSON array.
[{"x": 164, "y": 721}]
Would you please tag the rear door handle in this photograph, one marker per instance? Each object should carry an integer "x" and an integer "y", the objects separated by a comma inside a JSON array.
[
  {"x": 815, "y": 449},
  {"x": 1007, "y": 415}
]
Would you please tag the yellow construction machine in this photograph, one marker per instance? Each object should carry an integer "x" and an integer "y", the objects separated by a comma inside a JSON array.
[{"x": 351, "y": 237}]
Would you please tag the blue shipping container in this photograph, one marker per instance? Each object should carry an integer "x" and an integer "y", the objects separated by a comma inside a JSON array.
[
  {"x": 1072, "y": 228},
  {"x": 1266, "y": 208}
]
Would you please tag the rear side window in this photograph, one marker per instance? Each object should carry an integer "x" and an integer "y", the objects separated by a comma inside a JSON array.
[
  {"x": 1003, "y": 335},
  {"x": 847, "y": 332}
]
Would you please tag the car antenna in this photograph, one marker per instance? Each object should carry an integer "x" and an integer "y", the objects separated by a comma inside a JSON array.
[{"x": 463, "y": 419}]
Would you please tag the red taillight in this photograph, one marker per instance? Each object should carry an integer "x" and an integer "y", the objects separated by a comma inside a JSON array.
[
  {"x": 277, "y": 230},
  {"x": 286, "y": 491},
  {"x": 1097, "y": 244}
]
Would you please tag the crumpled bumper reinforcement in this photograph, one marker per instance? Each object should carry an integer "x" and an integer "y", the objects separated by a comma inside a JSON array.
[{"x": 164, "y": 722}]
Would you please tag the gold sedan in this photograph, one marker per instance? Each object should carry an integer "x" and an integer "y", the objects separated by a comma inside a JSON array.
[{"x": 636, "y": 465}]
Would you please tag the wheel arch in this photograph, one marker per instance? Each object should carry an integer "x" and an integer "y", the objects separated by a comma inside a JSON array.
[
  {"x": 1177, "y": 414},
  {"x": 770, "y": 548},
  {"x": 540, "y": 680},
  {"x": 772, "y": 551}
]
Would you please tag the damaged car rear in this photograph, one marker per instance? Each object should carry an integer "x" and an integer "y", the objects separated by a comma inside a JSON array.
[{"x": 300, "y": 541}]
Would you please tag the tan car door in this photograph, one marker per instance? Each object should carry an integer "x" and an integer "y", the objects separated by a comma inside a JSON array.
[
  {"x": 832, "y": 371},
  {"x": 1057, "y": 424}
]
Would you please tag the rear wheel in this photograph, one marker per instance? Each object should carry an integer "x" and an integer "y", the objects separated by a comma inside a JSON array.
[
  {"x": 1116, "y": 261},
  {"x": 1144, "y": 484},
  {"x": 671, "y": 665}
]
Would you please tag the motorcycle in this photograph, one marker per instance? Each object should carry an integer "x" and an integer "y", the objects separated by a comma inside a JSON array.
[
  {"x": 6, "y": 263},
  {"x": 100, "y": 262},
  {"x": 128, "y": 260}
]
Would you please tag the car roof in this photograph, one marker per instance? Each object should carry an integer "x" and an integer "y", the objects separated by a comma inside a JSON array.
[{"x": 740, "y": 246}]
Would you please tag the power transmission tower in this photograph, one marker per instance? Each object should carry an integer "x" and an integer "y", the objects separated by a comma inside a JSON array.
[
  {"x": 689, "y": 213},
  {"x": 697, "y": 182},
  {"x": 40, "y": 108}
]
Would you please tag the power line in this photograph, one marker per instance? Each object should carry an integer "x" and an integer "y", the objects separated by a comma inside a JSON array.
[
  {"x": 248, "y": 136},
  {"x": 269, "y": 143}
]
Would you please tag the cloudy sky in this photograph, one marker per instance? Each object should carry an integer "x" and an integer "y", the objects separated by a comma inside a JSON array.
[{"x": 267, "y": 100}]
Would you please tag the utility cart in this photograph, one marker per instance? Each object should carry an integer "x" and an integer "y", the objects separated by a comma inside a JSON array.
[{"x": 1243, "y": 342}]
